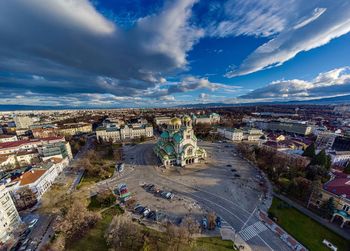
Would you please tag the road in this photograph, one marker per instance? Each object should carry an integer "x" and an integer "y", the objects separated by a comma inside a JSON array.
[{"x": 141, "y": 166}]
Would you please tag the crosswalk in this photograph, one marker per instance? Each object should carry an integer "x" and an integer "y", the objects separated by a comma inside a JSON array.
[{"x": 252, "y": 230}]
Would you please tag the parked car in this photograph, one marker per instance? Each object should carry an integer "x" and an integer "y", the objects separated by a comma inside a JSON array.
[
  {"x": 160, "y": 216},
  {"x": 140, "y": 210},
  {"x": 33, "y": 223},
  {"x": 146, "y": 212},
  {"x": 218, "y": 221},
  {"x": 229, "y": 165},
  {"x": 204, "y": 223},
  {"x": 237, "y": 175},
  {"x": 152, "y": 215},
  {"x": 137, "y": 206}
]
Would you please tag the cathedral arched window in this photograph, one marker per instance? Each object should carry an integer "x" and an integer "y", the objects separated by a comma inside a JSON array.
[{"x": 190, "y": 151}]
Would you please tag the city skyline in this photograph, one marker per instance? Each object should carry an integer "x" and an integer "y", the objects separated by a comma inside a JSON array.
[{"x": 168, "y": 53}]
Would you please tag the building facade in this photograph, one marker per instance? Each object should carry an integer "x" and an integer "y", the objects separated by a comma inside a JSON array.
[
  {"x": 7, "y": 138},
  {"x": 325, "y": 140},
  {"x": 212, "y": 118},
  {"x": 39, "y": 179},
  {"x": 234, "y": 134},
  {"x": 127, "y": 132},
  {"x": 9, "y": 217},
  {"x": 178, "y": 144},
  {"x": 231, "y": 133},
  {"x": 162, "y": 120},
  {"x": 75, "y": 128},
  {"x": 23, "y": 122}
]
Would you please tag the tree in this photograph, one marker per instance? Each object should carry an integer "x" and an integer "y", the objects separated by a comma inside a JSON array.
[
  {"x": 105, "y": 198},
  {"x": 322, "y": 159},
  {"x": 26, "y": 198},
  {"x": 123, "y": 234},
  {"x": 310, "y": 151},
  {"x": 328, "y": 207},
  {"x": 75, "y": 221},
  {"x": 176, "y": 235},
  {"x": 191, "y": 225},
  {"x": 211, "y": 221},
  {"x": 300, "y": 188},
  {"x": 347, "y": 168}
]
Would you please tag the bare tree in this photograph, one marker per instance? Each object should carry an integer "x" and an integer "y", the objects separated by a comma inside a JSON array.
[
  {"x": 75, "y": 221},
  {"x": 176, "y": 235},
  {"x": 211, "y": 221},
  {"x": 191, "y": 225},
  {"x": 123, "y": 234},
  {"x": 25, "y": 198}
]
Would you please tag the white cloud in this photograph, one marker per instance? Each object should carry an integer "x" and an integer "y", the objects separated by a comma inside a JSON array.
[
  {"x": 71, "y": 40},
  {"x": 325, "y": 23},
  {"x": 332, "y": 83},
  {"x": 252, "y": 18}
]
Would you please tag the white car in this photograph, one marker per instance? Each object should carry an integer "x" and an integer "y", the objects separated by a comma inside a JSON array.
[
  {"x": 146, "y": 212},
  {"x": 329, "y": 245},
  {"x": 32, "y": 223}
]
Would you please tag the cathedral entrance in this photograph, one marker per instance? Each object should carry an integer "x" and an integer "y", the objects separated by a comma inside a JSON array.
[{"x": 190, "y": 161}]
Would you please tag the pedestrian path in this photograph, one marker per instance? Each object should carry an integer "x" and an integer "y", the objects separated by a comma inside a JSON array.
[{"x": 252, "y": 230}]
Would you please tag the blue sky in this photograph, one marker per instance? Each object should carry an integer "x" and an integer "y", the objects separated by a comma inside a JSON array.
[{"x": 143, "y": 53}]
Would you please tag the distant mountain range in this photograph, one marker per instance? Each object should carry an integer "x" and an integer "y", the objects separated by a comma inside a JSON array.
[{"x": 322, "y": 101}]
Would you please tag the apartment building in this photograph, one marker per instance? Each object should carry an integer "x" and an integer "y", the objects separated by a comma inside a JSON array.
[
  {"x": 9, "y": 217},
  {"x": 338, "y": 187},
  {"x": 231, "y": 133},
  {"x": 325, "y": 140},
  {"x": 55, "y": 150},
  {"x": 74, "y": 128},
  {"x": 234, "y": 134},
  {"x": 126, "y": 132},
  {"x": 212, "y": 118},
  {"x": 7, "y": 138},
  {"x": 162, "y": 120},
  {"x": 38, "y": 179},
  {"x": 23, "y": 122},
  {"x": 25, "y": 145}
]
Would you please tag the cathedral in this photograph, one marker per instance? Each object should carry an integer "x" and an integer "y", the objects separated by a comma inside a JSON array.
[{"x": 177, "y": 146}]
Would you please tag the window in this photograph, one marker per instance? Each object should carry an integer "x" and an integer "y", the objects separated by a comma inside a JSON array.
[
  {"x": 188, "y": 136},
  {"x": 346, "y": 208},
  {"x": 190, "y": 151}
]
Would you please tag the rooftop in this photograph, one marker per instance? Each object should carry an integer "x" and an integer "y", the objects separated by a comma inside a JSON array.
[
  {"x": 30, "y": 177},
  {"x": 340, "y": 185}
]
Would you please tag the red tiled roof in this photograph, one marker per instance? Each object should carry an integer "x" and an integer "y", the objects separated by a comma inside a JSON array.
[
  {"x": 23, "y": 142},
  {"x": 30, "y": 176},
  {"x": 5, "y": 136},
  {"x": 340, "y": 185}
]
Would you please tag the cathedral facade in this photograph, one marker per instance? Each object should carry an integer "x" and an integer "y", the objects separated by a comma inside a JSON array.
[{"x": 177, "y": 146}]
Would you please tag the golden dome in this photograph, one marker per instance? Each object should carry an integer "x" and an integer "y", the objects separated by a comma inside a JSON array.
[
  {"x": 175, "y": 121},
  {"x": 187, "y": 119}
]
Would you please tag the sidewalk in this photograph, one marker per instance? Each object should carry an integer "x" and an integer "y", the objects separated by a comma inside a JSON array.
[
  {"x": 281, "y": 233},
  {"x": 335, "y": 228}
]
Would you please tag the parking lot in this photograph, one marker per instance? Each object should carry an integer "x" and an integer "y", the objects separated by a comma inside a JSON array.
[{"x": 224, "y": 183}]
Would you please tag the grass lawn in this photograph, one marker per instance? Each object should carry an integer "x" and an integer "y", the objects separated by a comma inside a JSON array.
[
  {"x": 94, "y": 239},
  {"x": 96, "y": 205},
  {"x": 213, "y": 243},
  {"x": 309, "y": 232}
]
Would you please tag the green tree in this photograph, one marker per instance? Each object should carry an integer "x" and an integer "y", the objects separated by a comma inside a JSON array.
[
  {"x": 322, "y": 159},
  {"x": 329, "y": 207},
  {"x": 310, "y": 151},
  {"x": 347, "y": 168}
]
